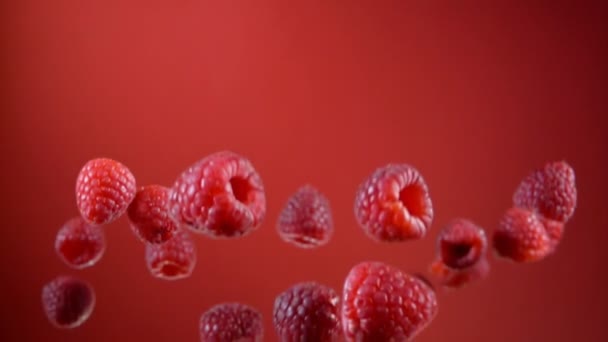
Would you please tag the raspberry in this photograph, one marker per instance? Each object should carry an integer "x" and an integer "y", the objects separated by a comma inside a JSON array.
[
  {"x": 550, "y": 190},
  {"x": 67, "y": 301},
  {"x": 104, "y": 189},
  {"x": 231, "y": 322},
  {"x": 80, "y": 244},
  {"x": 307, "y": 312},
  {"x": 173, "y": 259},
  {"x": 381, "y": 303},
  {"x": 149, "y": 215},
  {"x": 306, "y": 220},
  {"x": 461, "y": 244},
  {"x": 220, "y": 196},
  {"x": 455, "y": 278},
  {"x": 521, "y": 236},
  {"x": 393, "y": 204}
]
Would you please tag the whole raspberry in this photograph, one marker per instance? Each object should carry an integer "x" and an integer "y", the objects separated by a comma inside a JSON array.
[
  {"x": 550, "y": 190},
  {"x": 149, "y": 215},
  {"x": 393, "y": 204},
  {"x": 104, "y": 189},
  {"x": 381, "y": 303},
  {"x": 461, "y": 243},
  {"x": 67, "y": 301},
  {"x": 80, "y": 244},
  {"x": 173, "y": 259},
  {"x": 306, "y": 220},
  {"x": 521, "y": 236},
  {"x": 455, "y": 278},
  {"x": 220, "y": 196},
  {"x": 307, "y": 312},
  {"x": 231, "y": 322}
]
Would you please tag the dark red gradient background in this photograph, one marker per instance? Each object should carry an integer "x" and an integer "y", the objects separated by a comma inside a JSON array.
[{"x": 474, "y": 96}]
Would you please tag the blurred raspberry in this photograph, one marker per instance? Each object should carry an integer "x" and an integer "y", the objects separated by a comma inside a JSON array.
[
  {"x": 173, "y": 259},
  {"x": 149, "y": 215},
  {"x": 67, "y": 301},
  {"x": 521, "y": 236},
  {"x": 80, "y": 244},
  {"x": 381, "y": 303},
  {"x": 550, "y": 190},
  {"x": 306, "y": 220},
  {"x": 221, "y": 196},
  {"x": 231, "y": 322},
  {"x": 104, "y": 190},
  {"x": 307, "y": 312},
  {"x": 455, "y": 278},
  {"x": 461, "y": 243},
  {"x": 393, "y": 204}
]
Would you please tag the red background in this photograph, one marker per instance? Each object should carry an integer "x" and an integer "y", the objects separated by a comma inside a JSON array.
[{"x": 323, "y": 92}]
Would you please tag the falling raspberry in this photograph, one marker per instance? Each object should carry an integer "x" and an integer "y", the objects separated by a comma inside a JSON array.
[
  {"x": 393, "y": 204},
  {"x": 550, "y": 191},
  {"x": 381, "y": 303},
  {"x": 149, "y": 215},
  {"x": 456, "y": 278},
  {"x": 306, "y": 220},
  {"x": 80, "y": 244},
  {"x": 67, "y": 301},
  {"x": 220, "y": 196},
  {"x": 461, "y": 244},
  {"x": 307, "y": 312},
  {"x": 174, "y": 259},
  {"x": 522, "y": 237},
  {"x": 231, "y": 322},
  {"x": 104, "y": 189}
]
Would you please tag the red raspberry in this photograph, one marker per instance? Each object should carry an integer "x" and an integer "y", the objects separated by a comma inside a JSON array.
[
  {"x": 306, "y": 220},
  {"x": 393, "y": 204},
  {"x": 521, "y": 236},
  {"x": 149, "y": 215},
  {"x": 381, "y": 303},
  {"x": 67, "y": 301},
  {"x": 455, "y": 278},
  {"x": 173, "y": 259},
  {"x": 461, "y": 244},
  {"x": 307, "y": 312},
  {"x": 231, "y": 322},
  {"x": 221, "y": 196},
  {"x": 80, "y": 244},
  {"x": 104, "y": 189},
  {"x": 550, "y": 190}
]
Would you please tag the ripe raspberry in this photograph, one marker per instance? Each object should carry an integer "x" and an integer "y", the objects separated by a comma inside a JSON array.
[
  {"x": 307, "y": 312},
  {"x": 220, "y": 196},
  {"x": 306, "y": 220},
  {"x": 393, "y": 204},
  {"x": 231, "y": 322},
  {"x": 149, "y": 215},
  {"x": 550, "y": 190},
  {"x": 455, "y": 278},
  {"x": 104, "y": 189},
  {"x": 381, "y": 303},
  {"x": 521, "y": 236},
  {"x": 173, "y": 259},
  {"x": 67, "y": 301},
  {"x": 461, "y": 244},
  {"x": 80, "y": 244}
]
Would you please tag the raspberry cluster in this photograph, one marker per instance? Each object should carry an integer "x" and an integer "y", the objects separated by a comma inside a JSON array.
[{"x": 222, "y": 196}]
